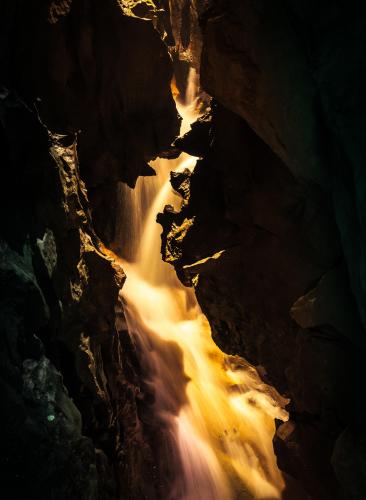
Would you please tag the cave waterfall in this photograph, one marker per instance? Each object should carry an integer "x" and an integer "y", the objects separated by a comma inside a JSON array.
[{"x": 216, "y": 414}]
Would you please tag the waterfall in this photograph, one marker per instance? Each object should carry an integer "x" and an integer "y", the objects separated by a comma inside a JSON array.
[{"x": 215, "y": 414}]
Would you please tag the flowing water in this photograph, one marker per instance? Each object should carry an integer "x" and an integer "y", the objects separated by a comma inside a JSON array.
[{"x": 216, "y": 415}]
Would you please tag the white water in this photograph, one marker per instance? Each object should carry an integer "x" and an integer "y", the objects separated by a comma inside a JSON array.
[{"x": 216, "y": 414}]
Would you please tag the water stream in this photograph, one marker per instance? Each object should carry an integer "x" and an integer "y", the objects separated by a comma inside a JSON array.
[{"x": 216, "y": 414}]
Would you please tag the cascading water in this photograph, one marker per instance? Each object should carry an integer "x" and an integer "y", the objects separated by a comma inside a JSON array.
[{"x": 215, "y": 414}]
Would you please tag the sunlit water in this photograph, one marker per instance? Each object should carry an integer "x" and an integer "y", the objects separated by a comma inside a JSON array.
[{"x": 217, "y": 415}]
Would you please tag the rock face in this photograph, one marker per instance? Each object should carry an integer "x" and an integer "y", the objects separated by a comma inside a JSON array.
[
  {"x": 177, "y": 21},
  {"x": 183, "y": 32},
  {"x": 283, "y": 77},
  {"x": 270, "y": 232},
  {"x": 62, "y": 326},
  {"x": 85, "y": 102},
  {"x": 92, "y": 70},
  {"x": 37, "y": 307}
]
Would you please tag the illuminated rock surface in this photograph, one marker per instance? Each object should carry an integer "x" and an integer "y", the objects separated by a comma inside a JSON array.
[
  {"x": 287, "y": 293},
  {"x": 67, "y": 64}
]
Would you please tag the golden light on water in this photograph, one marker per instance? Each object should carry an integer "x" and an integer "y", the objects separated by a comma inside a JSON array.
[
  {"x": 220, "y": 414},
  {"x": 174, "y": 89}
]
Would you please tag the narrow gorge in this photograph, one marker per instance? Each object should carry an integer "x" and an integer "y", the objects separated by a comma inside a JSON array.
[{"x": 183, "y": 299}]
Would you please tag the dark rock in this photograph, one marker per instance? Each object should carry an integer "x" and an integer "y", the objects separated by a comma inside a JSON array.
[
  {"x": 264, "y": 77},
  {"x": 283, "y": 76},
  {"x": 74, "y": 59},
  {"x": 349, "y": 461},
  {"x": 180, "y": 182},
  {"x": 196, "y": 142},
  {"x": 40, "y": 424},
  {"x": 258, "y": 239},
  {"x": 60, "y": 314},
  {"x": 331, "y": 303},
  {"x": 183, "y": 30},
  {"x": 296, "y": 74}
]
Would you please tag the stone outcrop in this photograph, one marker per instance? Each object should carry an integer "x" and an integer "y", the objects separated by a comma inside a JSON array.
[
  {"x": 263, "y": 252},
  {"x": 85, "y": 102},
  {"x": 296, "y": 74},
  {"x": 275, "y": 244},
  {"x": 91, "y": 70},
  {"x": 38, "y": 305},
  {"x": 177, "y": 21},
  {"x": 183, "y": 32},
  {"x": 68, "y": 369}
]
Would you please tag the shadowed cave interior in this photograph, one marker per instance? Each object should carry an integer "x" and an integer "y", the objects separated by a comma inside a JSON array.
[{"x": 182, "y": 250}]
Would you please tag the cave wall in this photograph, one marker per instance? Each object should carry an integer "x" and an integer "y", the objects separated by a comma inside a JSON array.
[
  {"x": 280, "y": 190},
  {"x": 297, "y": 77},
  {"x": 90, "y": 70},
  {"x": 85, "y": 103}
]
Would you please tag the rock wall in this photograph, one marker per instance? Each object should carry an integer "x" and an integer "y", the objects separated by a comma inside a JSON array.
[
  {"x": 273, "y": 225},
  {"x": 85, "y": 102},
  {"x": 270, "y": 232},
  {"x": 93, "y": 71},
  {"x": 297, "y": 77}
]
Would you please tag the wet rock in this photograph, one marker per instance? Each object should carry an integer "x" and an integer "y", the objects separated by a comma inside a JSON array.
[
  {"x": 260, "y": 239},
  {"x": 60, "y": 314},
  {"x": 78, "y": 114},
  {"x": 279, "y": 68},
  {"x": 180, "y": 182},
  {"x": 183, "y": 31},
  {"x": 71, "y": 59},
  {"x": 196, "y": 142},
  {"x": 38, "y": 416}
]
